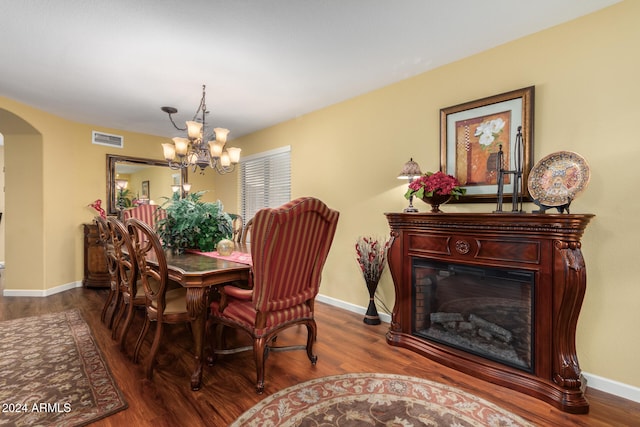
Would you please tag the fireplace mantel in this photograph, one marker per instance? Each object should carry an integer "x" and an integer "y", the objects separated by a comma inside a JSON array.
[{"x": 546, "y": 245}]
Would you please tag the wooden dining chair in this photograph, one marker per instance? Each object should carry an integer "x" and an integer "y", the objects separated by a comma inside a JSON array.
[
  {"x": 132, "y": 296},
  {"x": 237, "y": 227},
  {"x": 163, "y": 304},
  {"x": 247, "y": 231},
  {"x": 112, "y": 304},
  {"x": 289, "y": 247}
]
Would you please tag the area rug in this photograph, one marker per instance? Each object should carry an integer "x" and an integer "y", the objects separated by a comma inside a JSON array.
[
  {"x": 53, "y": 374},
  {"x": 375, "y": 400}
]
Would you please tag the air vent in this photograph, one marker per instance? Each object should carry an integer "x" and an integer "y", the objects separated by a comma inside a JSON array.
[{"x": 102, "y": 138}]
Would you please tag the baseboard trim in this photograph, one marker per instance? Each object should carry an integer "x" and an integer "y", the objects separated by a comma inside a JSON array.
[
  {"x": 606, "y": 385},
  {"x": 40, "y": 293},
  {"x": 351, "y": 307},
  {"x": 612, "y": 387}
]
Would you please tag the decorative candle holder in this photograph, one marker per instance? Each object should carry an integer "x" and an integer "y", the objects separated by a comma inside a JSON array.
[{"x": 516, "y": 198}]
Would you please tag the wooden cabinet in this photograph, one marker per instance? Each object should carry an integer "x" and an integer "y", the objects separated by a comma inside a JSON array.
[
  {"x": 96, "y": 274},
  {"x": 545, "y": 247}
]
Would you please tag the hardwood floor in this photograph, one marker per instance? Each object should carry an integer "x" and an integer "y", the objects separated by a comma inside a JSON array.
[{"x": 345, "y": 344}]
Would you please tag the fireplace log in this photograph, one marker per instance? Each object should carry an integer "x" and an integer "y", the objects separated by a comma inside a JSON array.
[{"x": 493, "y": 329}]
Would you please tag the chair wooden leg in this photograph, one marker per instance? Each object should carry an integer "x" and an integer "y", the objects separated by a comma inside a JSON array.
[
  {"x": 312, "y": 332},
  {"x": 110, "y": 308},
  {"x": 107, "y": 305},
  {"x": 154, "y": 349},
  {"x": 216, "y": 338},
  {"x": 259, "y": 348},
  {"x": 114, "y": 309},
  {"x": 126, "y": 325},
  {"x": 118, "y": 318},
  {"x": 141, "y": 337}
]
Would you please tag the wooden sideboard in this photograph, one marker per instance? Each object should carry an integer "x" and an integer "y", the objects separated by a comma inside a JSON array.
[
  {"x": 96, "y": 273},
  {"x": 544, "y": 246}
]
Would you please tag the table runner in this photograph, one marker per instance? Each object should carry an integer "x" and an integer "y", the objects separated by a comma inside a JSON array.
[{"x": 240, "y": 257}]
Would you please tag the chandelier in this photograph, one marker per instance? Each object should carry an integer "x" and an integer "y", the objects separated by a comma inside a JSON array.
[{"x": 200, "y": 149}]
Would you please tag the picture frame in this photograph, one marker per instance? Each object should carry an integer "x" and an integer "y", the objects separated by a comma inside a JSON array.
[
  {"x": 144, "y": 194},
  {"x": 471, "y": 135}
]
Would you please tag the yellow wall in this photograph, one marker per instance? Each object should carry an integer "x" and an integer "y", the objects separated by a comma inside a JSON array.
[
  {"x": 52, "y": 172},
  {"x": 349, "y": 155},
  {"x": 2, "y": 204},
  {"x": 586, "y": 100}
]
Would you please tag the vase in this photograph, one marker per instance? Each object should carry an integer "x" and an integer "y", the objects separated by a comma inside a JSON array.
[
  {"x": 225, "y": 247},
  {"x": 436, "y": 200},
  {"x": 371, "y": 317}
]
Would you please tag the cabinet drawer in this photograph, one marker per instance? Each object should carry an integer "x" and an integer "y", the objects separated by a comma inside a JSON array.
[{"x": 480, "y": 249}]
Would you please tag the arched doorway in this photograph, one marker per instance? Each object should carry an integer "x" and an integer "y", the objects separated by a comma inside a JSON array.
[{"x": 22, "y": 223}]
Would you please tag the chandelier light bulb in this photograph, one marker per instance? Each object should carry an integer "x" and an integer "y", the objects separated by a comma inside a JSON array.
[
  {"x": 215, "y": 147},
  {"x": 182, "y": 145},
  {"x": 221, "y": 134},
  {"x": 194, "y": 129},
  {"x": 169, "y": 151},
  {"x": 224, "y": 160},
  {"x": 234, "y": 154}
]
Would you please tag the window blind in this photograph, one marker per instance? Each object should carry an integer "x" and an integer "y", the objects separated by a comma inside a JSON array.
[{"x": 265, "y": 181}]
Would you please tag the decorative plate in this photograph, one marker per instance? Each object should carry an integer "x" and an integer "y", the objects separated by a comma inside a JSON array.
[{"x": 558, "y": 178}]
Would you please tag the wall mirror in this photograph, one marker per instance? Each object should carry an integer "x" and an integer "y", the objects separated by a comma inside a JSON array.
[{"x": 145, "y": 180}]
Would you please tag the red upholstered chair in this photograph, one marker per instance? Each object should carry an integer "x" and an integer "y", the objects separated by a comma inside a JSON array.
[
  {"x": 163, "y": 304},
  {"x": 149, "y": 214},
  {"x": 289, "y": 247}
]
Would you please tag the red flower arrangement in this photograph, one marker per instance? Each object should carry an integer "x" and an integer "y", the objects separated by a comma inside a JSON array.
[
  {"x": 437, "y": 183},
  {"x": 372, "y": 256},
  {"x": 97, "y": 205}
]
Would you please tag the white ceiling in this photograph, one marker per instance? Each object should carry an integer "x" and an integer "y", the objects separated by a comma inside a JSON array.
[{"x": 115, "y": 63}]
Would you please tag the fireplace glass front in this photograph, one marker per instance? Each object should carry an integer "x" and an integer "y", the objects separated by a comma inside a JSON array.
[{"x": 481, "y": 310}]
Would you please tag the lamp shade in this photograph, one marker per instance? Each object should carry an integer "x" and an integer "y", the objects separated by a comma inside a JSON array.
[
  {"x": 221, "y": 134},
  {"x": 224, "y": 160},
  {"x": 215, "y": 148},
  {"x": 169, "y": 151},
  {"x": 182, "y": 145},
  {"x": 194, "y": 129},
  {"x": 410, "y": 170},
  {"x": 234, "y": 154}
]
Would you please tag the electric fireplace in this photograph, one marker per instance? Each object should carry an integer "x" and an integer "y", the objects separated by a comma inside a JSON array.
[{"x": 493, "y": 295}]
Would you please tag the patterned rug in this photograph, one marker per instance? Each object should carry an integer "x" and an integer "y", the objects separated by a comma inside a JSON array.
[
  {"x": 53, "y": 374},
  {"x": 375, "y": 400}
]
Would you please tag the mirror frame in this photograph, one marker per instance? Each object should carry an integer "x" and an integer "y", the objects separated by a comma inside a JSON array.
[{"x": 113, "y": 159}]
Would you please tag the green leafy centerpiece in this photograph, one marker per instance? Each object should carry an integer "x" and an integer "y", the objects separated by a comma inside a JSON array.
[
  {"x": 435, "y": 189},
  {"x": 193, "y": 224}
]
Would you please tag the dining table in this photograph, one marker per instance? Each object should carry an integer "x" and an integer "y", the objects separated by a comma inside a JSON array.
[{"x": 200, "y": 273}]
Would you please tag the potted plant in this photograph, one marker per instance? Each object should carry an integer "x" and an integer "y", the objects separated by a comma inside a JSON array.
[
  {"x": 435, "y": 189},
  {"x": 125, "y": 198},
  {"x": 191, "y": 223}
]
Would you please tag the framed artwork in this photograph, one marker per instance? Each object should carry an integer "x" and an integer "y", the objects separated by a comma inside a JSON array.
[
  {"x": 471, "y": 134},
  {"x": 145, "y": 190}
]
